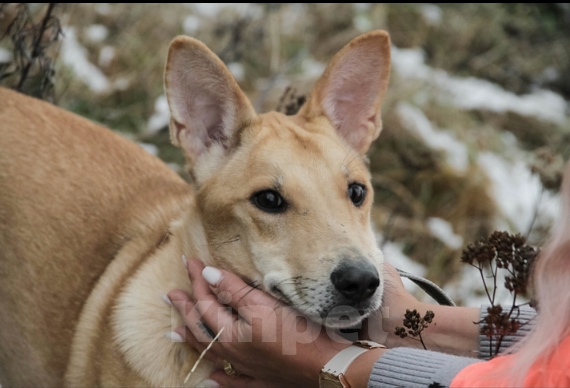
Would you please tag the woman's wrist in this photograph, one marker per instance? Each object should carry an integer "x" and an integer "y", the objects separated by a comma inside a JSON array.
[
  {"x": 454, "y": 330},
  {"x": 358, "y": 372},
  {"x": 317, "y": 362}
]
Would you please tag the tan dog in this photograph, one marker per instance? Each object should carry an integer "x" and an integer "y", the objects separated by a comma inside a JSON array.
[{"x": 92, "y": 228}]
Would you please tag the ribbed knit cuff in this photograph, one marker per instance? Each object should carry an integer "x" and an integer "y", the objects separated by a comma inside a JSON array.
[
  {"x": 485, "y": 344},
  {"x": 407, "y": 367}
]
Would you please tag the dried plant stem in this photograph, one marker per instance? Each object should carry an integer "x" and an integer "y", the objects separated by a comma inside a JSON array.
[
  {"x": 422, "y": 341},
  {"x": 202, "y": 355},
  {"x": 494, "y": 282},
  {"x": 35, "y": 47},
  {"x": 535, "y": 215},
  {"x": 513, "y": 307},
  {"x": 480, "y": 269}
]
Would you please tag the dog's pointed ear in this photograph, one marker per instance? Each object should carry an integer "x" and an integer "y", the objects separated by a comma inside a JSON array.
[
  {"x": 352, "y": 88},
  {"x": 207, "y": 107}
]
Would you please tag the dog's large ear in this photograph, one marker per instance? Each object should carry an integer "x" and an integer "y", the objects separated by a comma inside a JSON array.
[
  {"x": 351, "y": 90},
  {"x": 207, "y": 106}
]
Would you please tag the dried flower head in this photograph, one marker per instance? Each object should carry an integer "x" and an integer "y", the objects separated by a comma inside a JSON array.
[
  {"x": 401, "y": 332},
  {"x": 549, "y": 167},
  {"x": 479, "y": 252},
  {"x": 415, "y": 324},
  {"x": 290, "y": 102},
  {"x": 499, "y": 323},
  {"x": 511, "y": 254}
]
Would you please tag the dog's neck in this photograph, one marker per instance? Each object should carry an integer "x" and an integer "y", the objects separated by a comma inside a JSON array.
[
  {"x": 189, "y": 236},
  {"x": 143, "y": 319}
]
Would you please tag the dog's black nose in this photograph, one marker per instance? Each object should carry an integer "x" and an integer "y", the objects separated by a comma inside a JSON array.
[{"x": 356, "y": 280}]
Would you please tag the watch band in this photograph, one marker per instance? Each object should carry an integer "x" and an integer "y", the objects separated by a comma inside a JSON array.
[
  {"x": 342, "y": 360},
  {"x": 332, "y": 374}
]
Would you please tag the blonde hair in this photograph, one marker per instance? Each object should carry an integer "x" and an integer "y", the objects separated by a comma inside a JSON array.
[{"x": 551, "y": 278}]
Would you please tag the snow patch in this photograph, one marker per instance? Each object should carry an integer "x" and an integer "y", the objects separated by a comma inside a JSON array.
[
  {"x": 191, "y": 24},
  {"x": 467, "y": 288},
  {"x": 362, "y": 22},
  {"x": 5, "y": 55},
  {"x": 97, "y": 33},
  {"x": 103, "y": 9},
  {"x": 237, "y": 71},
  {"x": 312, "y": 68},
  {"x": 415, "y": 120},
  {"x": 161, "y": 116},
  {"x": 517, "y": 192},
  {"x": 75, "y": 56},
  {"x": 361, "y": 6},
  {"x": 174, "y": 167},
  {"x": 150, "y": 148},
  {"x": 550, "y": 74},
  {"x": 443, "y": 230},
  {"x": 431, "y": 14},
  {"x": 121, "y": 83},
  {"x": 212, "y": 10},
  {"x": 473, "y": 93},
  {"x": 291, "y": 17},
  {"x": 393, "y": 254},
  {"x": 106, "y": 56}
]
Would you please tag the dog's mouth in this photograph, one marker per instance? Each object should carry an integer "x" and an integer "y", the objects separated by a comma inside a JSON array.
[
  {"x": 336, "y": 316},
  {"x": 281, "y": 296}
]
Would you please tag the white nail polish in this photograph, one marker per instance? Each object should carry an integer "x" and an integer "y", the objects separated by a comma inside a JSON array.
[
  {"x": 166, "y": 300},
  {"x": 209, "y": 384},
  {"x": 212, "y": 275},
  {"x": 174, "y": 337},
  {"x": 184, "y": 261}
]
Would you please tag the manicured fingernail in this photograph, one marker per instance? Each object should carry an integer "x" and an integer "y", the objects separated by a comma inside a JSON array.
[
  {"x": 209, "y": 383},
  {"x": 166, "y": 300},
  {"x": 184, "y": 261},
  {"x": 174, "y": 337},
  {"x": 212, "y": 275}
]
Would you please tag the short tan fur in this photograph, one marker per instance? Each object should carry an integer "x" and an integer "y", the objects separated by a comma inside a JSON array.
[{"x": 92, "y": 228}]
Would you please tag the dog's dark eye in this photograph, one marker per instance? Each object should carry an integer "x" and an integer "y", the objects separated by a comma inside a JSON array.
[
  {"x": 357, "y": 193},
  {"x": 269, "y": 201}
]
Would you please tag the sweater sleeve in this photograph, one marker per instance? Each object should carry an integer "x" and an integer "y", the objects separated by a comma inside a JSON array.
[
  {"x": 407, "y": 367},
  {"x": 410, "y": 367},
  {"x": 486, "y": 344}
]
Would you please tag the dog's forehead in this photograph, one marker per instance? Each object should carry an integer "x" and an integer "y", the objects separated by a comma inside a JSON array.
[{"x": 286, "y": 140}]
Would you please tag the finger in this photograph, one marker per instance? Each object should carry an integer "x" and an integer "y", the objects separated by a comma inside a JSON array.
[
  {"x": 213, "y": 313},
  {"x": 184, "y": 304},
  {"x": 192, "y": 316},
  {"x": 224, "y": 380},
  {"x": 190, "y": 339},
  {"x": 234, "y": 291},
  {"x": 200, "y": 347},
  {"x": 193, "y": 319}
]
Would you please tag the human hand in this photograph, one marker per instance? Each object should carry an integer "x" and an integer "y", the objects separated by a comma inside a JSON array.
[
  {"x": 380, "y": 325},
  {"x": 269, "y": 342},
  {"x": 454, "y": 330}
]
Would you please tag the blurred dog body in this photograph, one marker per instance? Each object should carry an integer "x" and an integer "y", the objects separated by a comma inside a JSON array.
[{"x": 92, "y": 228}]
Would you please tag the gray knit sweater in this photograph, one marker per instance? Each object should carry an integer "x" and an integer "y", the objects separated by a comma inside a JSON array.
[{"x": 406, "y": 367}]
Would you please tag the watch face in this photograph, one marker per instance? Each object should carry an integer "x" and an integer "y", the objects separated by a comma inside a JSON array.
[
  {"x": 368, "y": 344},
  {"x": 329, "y": 380},
  {"x": 330, "y": 384}
]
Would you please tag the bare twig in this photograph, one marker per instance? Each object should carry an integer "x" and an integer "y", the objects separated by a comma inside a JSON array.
[{"x": 36, "y": 46}]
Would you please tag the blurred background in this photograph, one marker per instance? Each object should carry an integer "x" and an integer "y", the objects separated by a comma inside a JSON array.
[{"x": 476, "y": 119}]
